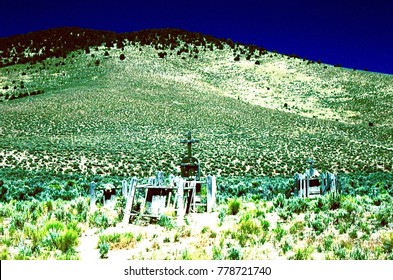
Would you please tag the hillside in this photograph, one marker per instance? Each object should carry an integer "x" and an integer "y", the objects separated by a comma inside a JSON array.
[{"x": 84, "y": 102}]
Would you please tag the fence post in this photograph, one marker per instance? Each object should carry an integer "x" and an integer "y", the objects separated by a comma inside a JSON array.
[
  {"x": 211, "y": 192},
  {"x": 93, "y": 197},
  {"x": 180, "y": 202},
  {"x": 130, "y": 199},
  {"x": 124, "y": 189}
]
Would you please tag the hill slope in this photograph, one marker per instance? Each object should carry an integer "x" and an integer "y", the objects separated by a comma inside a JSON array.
[{"x": 118, "y": 104}]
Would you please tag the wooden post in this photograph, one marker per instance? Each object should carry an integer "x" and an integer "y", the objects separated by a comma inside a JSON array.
[
  {"x": 93, "y": 197},
  {"x": 130, "y": 200},
  {"x": 307, "y": 185},
  {"x": 124, "y": 189},
  {"x": 324, "y": 185},
  {"x": 332, "y": 182},
  {"x": 211, "y": 192},
  {"x": 191, "y": 186},
  {"x": 159, "y": 181},
  {"x": 180, "y": 202}
]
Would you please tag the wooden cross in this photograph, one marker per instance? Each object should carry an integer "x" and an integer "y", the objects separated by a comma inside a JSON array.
[{"x": 189, "y": 141}]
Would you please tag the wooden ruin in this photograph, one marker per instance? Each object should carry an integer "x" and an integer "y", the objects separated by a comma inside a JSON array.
[
  {"x": 181, "y": 194},
  {"x": 313, "y": 184}
]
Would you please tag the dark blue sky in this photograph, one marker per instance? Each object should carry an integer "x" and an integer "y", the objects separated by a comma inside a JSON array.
[{"x": 355, "y": 34}]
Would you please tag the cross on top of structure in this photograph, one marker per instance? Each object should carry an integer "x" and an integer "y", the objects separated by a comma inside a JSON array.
[{"x": 189, "y": 141}]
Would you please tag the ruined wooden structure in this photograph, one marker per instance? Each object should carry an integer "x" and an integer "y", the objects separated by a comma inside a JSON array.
[
  {"x": 180, "y": 195},
  {"x": 313, "y": 184}
]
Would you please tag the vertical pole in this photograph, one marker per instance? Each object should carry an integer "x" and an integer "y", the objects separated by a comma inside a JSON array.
[
  {"x": 124, "y": 189},
  {"x": 308, "y": 185},
  {"x": 130, "y": 199},
  {"x": 93, "y": 197},
  {"x": 180, "y": 202},
  {"x": 211, "y": 192}
]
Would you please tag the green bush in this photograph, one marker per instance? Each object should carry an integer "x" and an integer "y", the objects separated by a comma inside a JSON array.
[
  {"x": 103, "y": 249},
  {"x": 166, "y": 222},
  {"x": 98, "y": 219},
  {"x": 358, "y": 253},
  {"x": 279, "y": 201},
  {"x": 248, "y": 231},
  {"x": 279, "y": 232},
  {"x": 384, "y": 215},
  {"x": 234, "y": 206},
  {"x": 297, "y": 205},
  {"x": 233, "y": 253},
  {"x": 217, "y": 253},
  {"x": 387, "y": 242},
  {"x": 302, "y": 254},
  {"x": 68, "y": 241}
]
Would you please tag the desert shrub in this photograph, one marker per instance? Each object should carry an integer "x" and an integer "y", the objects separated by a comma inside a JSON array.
[
  {"x": 237, "y": 58},
  {"x": 284, "y": 214},
  {"x": 265, "y": 225},
  {"x": 68, "y": 240},
  {"x": 353, "y": 233},
  {"x": 384, "y": 215},
  {"x": 221, "y": 215},
  {"x": 217, "y": 253},
  {"x": 328, "y": 242},
  {"x": 340, "y": 252},
  {"x": 18, "y": 220},
  {"x": 358, "y": 253},
  {"x": 333, "y": 201},
  {"x": 186, "y": 256},
  {"x": 302, "y": 254},
  {"x": 297, "y": 205},
  {"x": 166, "y": 222},
  {"x": 97, "y": 62},
  {"x": 122, "y": 56},
  {"x": 387, "y": 242},
  {"x": 233, "y": 253},
  {"x": 162, "y": 54},
  {"x": 279, "y": 232},
  {"x": 58, "y": 237},
  {"x": 297, "y": 227},
  {"x": 120, "y": 206},
  {"x": 4, "y": 254},
  {"x": 279, "y": 201},
  {"x": 285, "y": 247},
  {"x": 98, "y": 219},
  {"x": 234, "y": 206},
  {"x": 248, "y": 231},
  {"x": 62, "y": 214},
  {"x": 103, "y": 249},
  {"x": 317, "y": 225},
  {"x": 118, "y": 241}
]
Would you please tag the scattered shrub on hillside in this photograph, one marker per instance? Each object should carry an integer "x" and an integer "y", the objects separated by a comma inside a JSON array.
[
  {"x": 217, "y": 253},
  {"x": 387, "y": 242},
  {"x": 237, "y": 58},
  {"x": 122, "y": 56},
  {"x": 166, "y": 222},
  {"x": 358, "y": 253},
  {"x": 279, "y": 201},
  {"x": 233, "y": 253},
  {"x": 234, "y": 205},
  {"x": 97, "y": 62},
  {"x": 103, "y": 249},
  {"x": 162, "y": 54}
]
